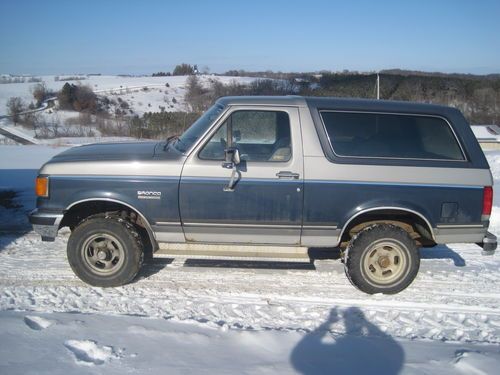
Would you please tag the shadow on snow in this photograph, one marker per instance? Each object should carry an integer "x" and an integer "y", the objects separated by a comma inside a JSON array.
[
  {"x": 362, "y": 349},
  {"x": 443, "y": 252},
  {"x": 155, "y": 265},
  {"x": 17, "y": 199}
]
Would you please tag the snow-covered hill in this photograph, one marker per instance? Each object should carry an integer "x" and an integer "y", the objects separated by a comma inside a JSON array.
[
  {"x": 126, "y": 97},
  {"x": 144, "y": 94}
]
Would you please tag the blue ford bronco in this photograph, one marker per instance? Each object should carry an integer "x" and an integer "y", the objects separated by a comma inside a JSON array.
[{"x": 378, "y": 179}]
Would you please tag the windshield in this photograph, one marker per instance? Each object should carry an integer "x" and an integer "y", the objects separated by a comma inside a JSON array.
[{"x": 200, "y": 126}]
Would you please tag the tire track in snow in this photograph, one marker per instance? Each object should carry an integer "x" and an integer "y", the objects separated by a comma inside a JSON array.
[{"x": 445, "y": 302}]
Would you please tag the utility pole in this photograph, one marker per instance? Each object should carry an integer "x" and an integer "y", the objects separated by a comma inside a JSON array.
[{"x": 378, "y": 86}]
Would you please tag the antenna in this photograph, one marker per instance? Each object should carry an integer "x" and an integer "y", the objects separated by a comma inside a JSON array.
[{"x": 378, "y": 87}]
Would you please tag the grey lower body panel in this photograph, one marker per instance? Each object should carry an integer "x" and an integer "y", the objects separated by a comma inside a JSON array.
[
  {"x": 295, "y": 253},
  {"x": 294, "y": 235},
  {"x": 168, "y": 232},
  {"x": 320, "y": 236},
  {"x": 459, "y": 233}
]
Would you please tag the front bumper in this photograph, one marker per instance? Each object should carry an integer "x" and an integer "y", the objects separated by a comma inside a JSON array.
[
  {"x": 46, "y": 224},
  {"x": 489, "y": 244}
]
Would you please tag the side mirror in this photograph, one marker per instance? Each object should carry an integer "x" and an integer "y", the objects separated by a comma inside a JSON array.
[
  {"x": 232, "y": 160},
  {"x": 232, "y": 157}
]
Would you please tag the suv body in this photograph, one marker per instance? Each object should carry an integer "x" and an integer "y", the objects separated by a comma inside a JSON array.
[{"x": 291, "y": 171}]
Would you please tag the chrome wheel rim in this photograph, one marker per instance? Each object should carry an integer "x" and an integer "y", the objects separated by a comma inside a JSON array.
[
  {"x": 103, "y": 254},
  {"x": 385, "y": 262}
]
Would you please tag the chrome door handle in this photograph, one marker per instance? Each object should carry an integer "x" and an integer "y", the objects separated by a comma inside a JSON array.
[{"x": 288, "y": 174}]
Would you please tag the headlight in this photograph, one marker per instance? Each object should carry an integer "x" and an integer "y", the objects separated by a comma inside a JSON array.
[{"x": 42, "y": 187}]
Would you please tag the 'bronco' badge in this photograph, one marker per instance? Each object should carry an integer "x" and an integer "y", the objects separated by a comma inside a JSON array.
[{"x": 143, "y": 194}]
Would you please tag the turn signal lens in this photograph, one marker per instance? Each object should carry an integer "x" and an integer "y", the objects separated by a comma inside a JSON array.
[{"x": 42, "y": 187}]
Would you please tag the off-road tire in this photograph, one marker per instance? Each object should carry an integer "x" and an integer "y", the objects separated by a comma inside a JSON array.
[
  {"x": 382, "y": 258},
  {"x": 119, "y": 245}
]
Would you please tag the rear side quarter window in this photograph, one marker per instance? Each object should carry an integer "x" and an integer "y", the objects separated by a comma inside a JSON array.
[{"x": 391, "y": 136}]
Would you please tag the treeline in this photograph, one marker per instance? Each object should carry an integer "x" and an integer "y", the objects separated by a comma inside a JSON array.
[
  {"x": 200, "y": 96},
  {"x": 161, "y": 124},
  {"x": 478, "y": 97},
  {"x": 180, "y": 70},
  {"x": 19, "y": 79},
  {"x": 70, "y": 78}
]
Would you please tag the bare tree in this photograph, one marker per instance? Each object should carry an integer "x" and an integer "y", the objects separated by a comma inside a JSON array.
[
  {"x": 41, "y": 92},
  {"x": 196, "y": 95},
  {"x": 15, "y": 106}
]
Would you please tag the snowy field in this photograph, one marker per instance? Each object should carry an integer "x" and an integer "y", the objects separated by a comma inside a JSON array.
[{"x": 186, "y": 316}]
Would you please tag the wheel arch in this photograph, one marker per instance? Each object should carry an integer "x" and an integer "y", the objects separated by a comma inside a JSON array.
[
  {"x": 108, "y": 203},
  {"x": 390, "y": 213}
]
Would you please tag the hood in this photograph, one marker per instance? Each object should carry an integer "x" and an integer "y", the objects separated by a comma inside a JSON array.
[
  {"x": 117, "y": 159},
  {"x": 109, "y": 151}
]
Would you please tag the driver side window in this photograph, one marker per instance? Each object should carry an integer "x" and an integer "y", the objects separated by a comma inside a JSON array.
[
  {"x": 214, "y": 149},
  {"x": 258, "y": 135}
]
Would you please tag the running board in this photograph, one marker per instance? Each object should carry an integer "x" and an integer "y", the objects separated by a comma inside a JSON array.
[{"x": 298, "y": 254}]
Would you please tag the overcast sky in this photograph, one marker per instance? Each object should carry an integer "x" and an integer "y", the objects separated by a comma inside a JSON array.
[{"x": 141, "y": 37}]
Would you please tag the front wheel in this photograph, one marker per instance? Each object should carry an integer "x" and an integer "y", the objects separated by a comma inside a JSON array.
[
  {"x": 105, "y": 251},
  {"x": 382, "y": 258}
]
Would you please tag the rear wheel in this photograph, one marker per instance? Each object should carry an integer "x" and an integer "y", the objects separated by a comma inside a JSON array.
[
  {"x": 382, "y": 259},
  {"x": 105, "y": 251}
]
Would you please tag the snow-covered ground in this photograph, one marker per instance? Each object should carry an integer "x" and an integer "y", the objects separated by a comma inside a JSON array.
[
  {"x": 69, "y": 343},
  {"x": 211, "y": 316}
]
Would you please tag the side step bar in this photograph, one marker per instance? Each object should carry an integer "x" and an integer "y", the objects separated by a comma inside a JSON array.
[{"x": 298, "y": 254}]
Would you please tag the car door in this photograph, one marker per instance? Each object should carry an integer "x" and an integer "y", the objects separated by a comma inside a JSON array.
[{"x": 265, "y": 205}]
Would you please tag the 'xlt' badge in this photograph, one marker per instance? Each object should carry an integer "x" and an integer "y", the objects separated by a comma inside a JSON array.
[{"x": 143, "y": 194}]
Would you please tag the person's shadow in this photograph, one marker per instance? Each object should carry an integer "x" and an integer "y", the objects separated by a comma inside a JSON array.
[{"x": 363, "y": 349}]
